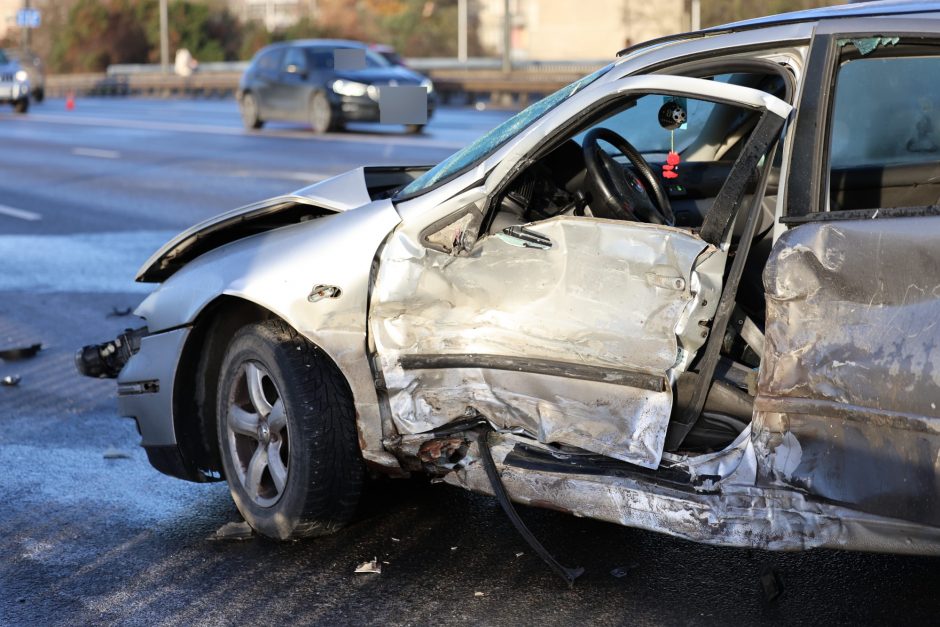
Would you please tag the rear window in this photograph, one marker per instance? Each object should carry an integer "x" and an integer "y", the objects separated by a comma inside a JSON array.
[{"x": 887, "y": 111}]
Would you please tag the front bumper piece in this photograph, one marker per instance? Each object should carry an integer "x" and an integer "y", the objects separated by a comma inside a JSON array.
[{"x": 145, "y": 367}]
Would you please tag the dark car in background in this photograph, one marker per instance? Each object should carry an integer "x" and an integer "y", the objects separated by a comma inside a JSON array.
[{"x": 302, "y": 81}]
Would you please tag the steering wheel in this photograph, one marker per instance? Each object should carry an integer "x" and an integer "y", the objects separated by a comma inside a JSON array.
[{"x": 618, "y": 193}]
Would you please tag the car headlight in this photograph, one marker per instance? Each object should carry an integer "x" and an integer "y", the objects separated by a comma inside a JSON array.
[
  {"x": 349, "y": 88},
  {"x": 21, "y": 76},
  {"x": 427, "y": 84}
]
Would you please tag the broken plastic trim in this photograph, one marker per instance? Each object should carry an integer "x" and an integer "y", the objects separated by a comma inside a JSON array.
[
  {"x": 616, "y": 376},
  {"x": 499, "y": 491}
]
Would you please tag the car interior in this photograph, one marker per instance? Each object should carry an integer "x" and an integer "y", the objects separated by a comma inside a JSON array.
[{"x": 613, "y": 166}]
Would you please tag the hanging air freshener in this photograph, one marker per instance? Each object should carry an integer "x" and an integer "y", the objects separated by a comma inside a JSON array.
[
  {"x": 670, "y": 168},
  {"x": 672, "y": 115}
]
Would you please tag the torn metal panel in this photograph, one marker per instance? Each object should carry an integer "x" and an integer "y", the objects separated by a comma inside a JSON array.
[
  {"x": 572, "y": 342},
  {"x": 736, "y": 515},
  {"x": 853, "y": 315},
  {"x": 623, "y": 423},
  {"x": 850, "y": 383}
]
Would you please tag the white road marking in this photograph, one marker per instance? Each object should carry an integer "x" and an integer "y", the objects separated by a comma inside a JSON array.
[
  {"x": 214, "y": 129},
  {"x": 96, "y": 152},
  {"x": 287, "y": 175},
  {"x": 22, "y": 214}
]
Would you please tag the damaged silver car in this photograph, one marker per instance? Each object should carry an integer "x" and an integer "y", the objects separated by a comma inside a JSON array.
[{"x": 695, "y": 292}]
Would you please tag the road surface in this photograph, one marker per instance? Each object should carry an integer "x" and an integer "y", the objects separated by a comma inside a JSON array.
[{"x": 91, "y": 534}]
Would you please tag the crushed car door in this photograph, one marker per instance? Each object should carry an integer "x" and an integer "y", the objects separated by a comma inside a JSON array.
[
  {"x": 848, "y": 405},
  {"x": 571, "y": 329}
]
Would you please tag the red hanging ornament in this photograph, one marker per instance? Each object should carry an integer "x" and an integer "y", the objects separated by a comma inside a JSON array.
[{"x": 671, "y": 166}]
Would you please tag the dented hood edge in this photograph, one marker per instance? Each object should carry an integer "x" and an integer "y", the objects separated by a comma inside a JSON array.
[{"x": 333, "y": 195}]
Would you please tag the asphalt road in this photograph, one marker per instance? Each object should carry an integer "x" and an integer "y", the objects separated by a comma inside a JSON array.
[{"x": 91, "y": 534}]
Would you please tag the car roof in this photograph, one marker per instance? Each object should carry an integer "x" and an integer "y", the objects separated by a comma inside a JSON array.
[
  {"x": 344, "y": 43},
  {"x": 858, "y": 9}
]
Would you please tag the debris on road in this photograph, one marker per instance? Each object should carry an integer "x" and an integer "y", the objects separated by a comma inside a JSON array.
[
  {"x": 20, "y": 352},
  {"x": 120, "y": 313},
  {"x": 520, "y": 554},
  {"x": 113, "y": 453},
  {"x": 622, "y": 571},
  {"x": 11, "y": 380},
  {"x": 396, "y": 540},
  {"x": 771, "y": 584},
  {"x": 477, "y": 594},
  {"x": 233, "y": 531},
  {"x": 370, "y": 567}
]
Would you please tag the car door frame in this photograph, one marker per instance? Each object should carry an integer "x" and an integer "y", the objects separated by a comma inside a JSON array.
[
  {"x": 518, "y": 154},
  {"x": 264, "y": 83},
  {"x": 837, "y": 445}
]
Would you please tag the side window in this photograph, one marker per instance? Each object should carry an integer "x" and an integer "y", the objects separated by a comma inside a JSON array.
[
  {"x": 320, "y": 58},
  {"x": 270, "y": 61},
  {"x": 884, "y": 132},
  {"x": 295, "y": 62}
]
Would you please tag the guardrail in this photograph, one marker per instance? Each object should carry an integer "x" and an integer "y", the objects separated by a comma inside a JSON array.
[
  {"x": 420, "y": 64},
  {"x": 516, "y": 88}
]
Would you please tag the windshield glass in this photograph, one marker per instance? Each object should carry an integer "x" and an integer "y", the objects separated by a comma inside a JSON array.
[{"x": 478, "y": 150}]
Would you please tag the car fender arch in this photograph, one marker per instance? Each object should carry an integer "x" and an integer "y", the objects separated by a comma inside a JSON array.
[{"x": 314, "y": 276}]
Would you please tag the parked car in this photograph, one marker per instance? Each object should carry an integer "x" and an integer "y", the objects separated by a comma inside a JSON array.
[
  {"x": 297, "y": 81},
  {"x": 14, "y": 83},
  {"x": 694, "y": 292},
  {"x": 35, "y": 70}
]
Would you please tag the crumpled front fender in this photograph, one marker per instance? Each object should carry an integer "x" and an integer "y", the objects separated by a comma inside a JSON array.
[{"x": 278, "y": 270}]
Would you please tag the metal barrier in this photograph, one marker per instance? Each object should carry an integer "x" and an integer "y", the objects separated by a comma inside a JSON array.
[{"x": 513, "y": 89}]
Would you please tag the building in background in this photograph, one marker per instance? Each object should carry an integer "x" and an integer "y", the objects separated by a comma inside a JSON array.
[
  {"x": 585, "y": 29},
  {"x": 8, "y": 9},
  {"x": 275, "y": 14}
]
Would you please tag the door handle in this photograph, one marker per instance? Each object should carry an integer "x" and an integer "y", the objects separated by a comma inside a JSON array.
[{"x": 524, "y": 238}]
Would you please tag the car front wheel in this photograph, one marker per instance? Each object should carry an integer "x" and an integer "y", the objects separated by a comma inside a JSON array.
[
  {"x": 321, "y": 115},
  {"x": 287, "y": 434},
  {"x": 251, "y": 117}
]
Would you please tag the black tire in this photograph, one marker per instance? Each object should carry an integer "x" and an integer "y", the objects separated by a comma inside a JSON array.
[
  {"x": 21, "y": 106},
  {"x": 39, "y": 95},
  {"x": 414, "y": 129},
  {"x": 251, "y": 115},
  {"x": 323, "y": 464},
  {"x": 321, "y": 116}
]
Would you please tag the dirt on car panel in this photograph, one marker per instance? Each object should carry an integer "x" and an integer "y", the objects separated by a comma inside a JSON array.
[{"x": 848, "y": 391}]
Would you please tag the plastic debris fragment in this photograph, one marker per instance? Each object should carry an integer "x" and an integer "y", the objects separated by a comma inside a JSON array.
[
  {"x": 233, "y": 531},
  {"x": 372, "y": 566},
  {"x": 22, "y": 352}
]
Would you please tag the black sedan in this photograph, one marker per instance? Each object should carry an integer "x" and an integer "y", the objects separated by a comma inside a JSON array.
[{"x": 327, "y": 83}]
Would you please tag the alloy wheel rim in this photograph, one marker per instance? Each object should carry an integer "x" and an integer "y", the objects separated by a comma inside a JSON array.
[
  {"x": 248, "y": 110},
  {"x": 320, "y": 114},
  {"x": 257, "y": 434}
]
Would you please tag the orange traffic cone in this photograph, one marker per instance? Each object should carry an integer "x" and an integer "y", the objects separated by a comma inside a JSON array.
[{"x": 70, "y": 101}]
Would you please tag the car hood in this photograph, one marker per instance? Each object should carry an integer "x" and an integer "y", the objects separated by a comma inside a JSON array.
[
  {"x": 382, "y": 76},
  {"x": 334, "y": 195}
]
